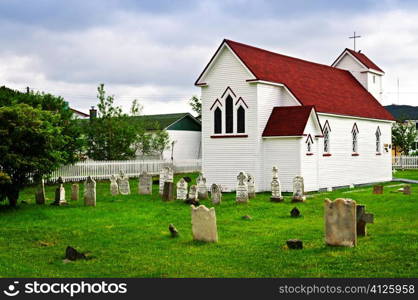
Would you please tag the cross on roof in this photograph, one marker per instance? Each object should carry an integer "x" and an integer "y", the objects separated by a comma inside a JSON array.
[{"x": 354, "y": 37}]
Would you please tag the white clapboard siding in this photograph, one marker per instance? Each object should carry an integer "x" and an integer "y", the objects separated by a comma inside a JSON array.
[
  {"x": 132, "y": 168},
  {"x": 405, "y": 162}
]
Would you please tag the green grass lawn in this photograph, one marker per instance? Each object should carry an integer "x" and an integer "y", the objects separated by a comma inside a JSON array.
[
  {"x": 407, "y": 174},
  {"x": 128, "y": 237}
]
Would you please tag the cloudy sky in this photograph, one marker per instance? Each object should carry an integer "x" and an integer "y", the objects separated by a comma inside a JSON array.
[{"x": 154, "y": 50}]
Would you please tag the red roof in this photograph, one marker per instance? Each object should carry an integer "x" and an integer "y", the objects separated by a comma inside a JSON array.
[
  {"x": 364, "y": 60},
  {"x": 329, "y": 89},
  {"x": 287, "y": 121}
]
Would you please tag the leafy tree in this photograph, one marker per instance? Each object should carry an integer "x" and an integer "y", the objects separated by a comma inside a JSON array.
[
  {"x": 160, "y": 141},
  {"x": 30, "y": 147},
  {"x": 111, "y": 135},
  {"x": 403, "y": 136},
  {"x": 196, "y": 105}
]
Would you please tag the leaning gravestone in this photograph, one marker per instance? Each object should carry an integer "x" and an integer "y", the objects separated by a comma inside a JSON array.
[
  {"x": 114, "y": 188},
  {"x": 378, "y": 189},
  {"x": 242, "y": 188},
  {"x": 215, "y": 194},
  {"x": 202, "y": 190},
  {"x": 60, "y": 194},
  {"x": 340, "y": 222},
  {"x": 90, "y": 192},
  {"x": 166, "y": 175},
  {"x": 298, "y": 189},
  {"x": 40, "y": 193},
  {"x": 362, "y": 219},
  {"x": 182, "y": 189},
  {"x": 123, "y": 183},
  {"x": 204, "y": 224},
  {"x": 251, "y": 186},
  {"x": 145, "y": 184},
  {"x": 75, "y": 189},
  {"x": 168, "y": 192}
]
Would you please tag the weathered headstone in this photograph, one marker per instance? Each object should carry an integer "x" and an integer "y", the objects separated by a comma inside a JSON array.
[
  {"x": 90, "y": 192},
  {"x": 275, "y": 172},
  {"x": 363, "y": 219},
  {"x": 378, "y": 189},
  {"x": 204, "y": 224},
  {"x": 60, "y": 194},
  {"x": 251, "y": 186},
  {"x": 407, "y": 190},
  {"x": 145, "y": 184},
  {"x": 182, "y": 189},
  {"x": 276, "y": 191},
  {"x": 215, "y": 194},
  {"x": 168, "y": 192},
  {"x": 114, "y": 188},
  {"x": 75, "y": 190},
  {"x": 340, "y": 222},
  {"x": 123, "y": 183},
  {"x": 193, "y": 192},
  {"x": 298, "y": 189},
  {"x": 242, "y": 188},
  {"x": 295, "y": 213},
  {"x": 166, "y": 175},
  {"x": 40, "y": 193},
  {"x": 202, "y": 190},
  {"x": 294, "y": 244}
]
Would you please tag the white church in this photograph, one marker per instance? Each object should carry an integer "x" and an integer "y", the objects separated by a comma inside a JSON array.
[{"x": 262, "y": 109}]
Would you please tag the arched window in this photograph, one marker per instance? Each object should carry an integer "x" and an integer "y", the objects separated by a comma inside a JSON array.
[
  {"x": 309, "y": 143},
  {"x": 217, "y": 114},
  {"x": 241, "y": 120},
  {"x": 378, "y": 143},
  {"x": 326, "y": 131},
  {"x": 229, "y": 115},
  {"x": 354, "y": 133}
]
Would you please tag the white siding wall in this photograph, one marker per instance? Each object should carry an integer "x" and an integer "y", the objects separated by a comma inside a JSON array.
[
  {"x": 375, "y": 88},
  {"x": 285, "y": 153},
  {"x": 342, "y": 168},
  {"x": 348, "y": 63},
  {"x": 224, "y": 158},
  {"x": 187, "y": 144}
]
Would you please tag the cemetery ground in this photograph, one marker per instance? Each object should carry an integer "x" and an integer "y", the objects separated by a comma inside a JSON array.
[
  {"x": 127, "y": 236},
  {"x": 407, "y": 174}
]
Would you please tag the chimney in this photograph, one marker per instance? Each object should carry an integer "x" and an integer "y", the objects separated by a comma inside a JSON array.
[{"x": 93, "y": 113}]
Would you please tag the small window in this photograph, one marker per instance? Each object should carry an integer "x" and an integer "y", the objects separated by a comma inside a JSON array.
[
  {"x": 241, "y": 120},
  {"x": 374, "y": 78},
  {"x": 309, "y": 143},
  {"x": 378, "y": 142},
  {"x": 326, "y": 131},
  {"x": 218, "y": 120},
  {"x": 229, "y": 115},
  {"x": 354, "y": 133}
]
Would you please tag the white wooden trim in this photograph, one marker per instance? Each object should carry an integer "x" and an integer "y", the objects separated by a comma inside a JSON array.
[{"x": 354, "y": 117}]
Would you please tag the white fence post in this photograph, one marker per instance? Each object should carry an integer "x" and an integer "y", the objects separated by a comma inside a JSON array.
[{"x": 405, "y": 162}]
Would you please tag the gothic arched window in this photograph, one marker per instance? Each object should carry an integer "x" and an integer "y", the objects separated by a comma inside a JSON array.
[
  {"x": 241, "y": 120},
  {"x": 378, "y": 143},
  {"x": 217, "y": 117},
  {"x": 326, "y": 131},
  {"x": 229, "y": 115},
  {"x": 354, "y": 133}
]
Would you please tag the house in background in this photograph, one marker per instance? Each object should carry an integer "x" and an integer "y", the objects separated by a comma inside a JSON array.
[
  {"x": 79, "y": 114},
  {"x": 184, "y": 132},
  {"x": 262, "y": 109}
]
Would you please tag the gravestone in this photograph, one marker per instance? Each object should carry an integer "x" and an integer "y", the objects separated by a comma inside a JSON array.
[
  {"x": 202, "y": 190},
  {"x": 182, "y": 189},
  {"x": 407, "y": 190},
  {"x": 168, "y": 192},
  {"x": 75, "y": 190},
  {"x": 145, "y": 184},
  {"x": 275, "y": 172},
  {"x": 204, "y": 224},
  {"x": 215, "y": 194},
  {"x": 114, "y": 188},
  {"x": 193, "y": 192},
  {"x": 40, "y": 193},
  {"x": 378, "y": 189},
  {"x": 166, "y": 175},
  {"x": 251, "y": 186},
  {"x": 363, "y": 219},
  {"x": 340, "y": 222},
  {"x": 60, "y": 194},
  {"x": 295, "y": 213},
  {"x": 123, "y": 183},
  {"x": 242, "y": 188},
  {"x": 276, "y": 190},
  {"x": 90, "y": 192},
  {"x": 298, "y": 189},
  {"x": 294, "y": 244},
  {"x": 173, "y": 230}
]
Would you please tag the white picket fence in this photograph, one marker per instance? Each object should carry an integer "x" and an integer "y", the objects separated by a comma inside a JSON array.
[
  {"x": 132, "y": 168},
  {"x": 405, "y": 162}
]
